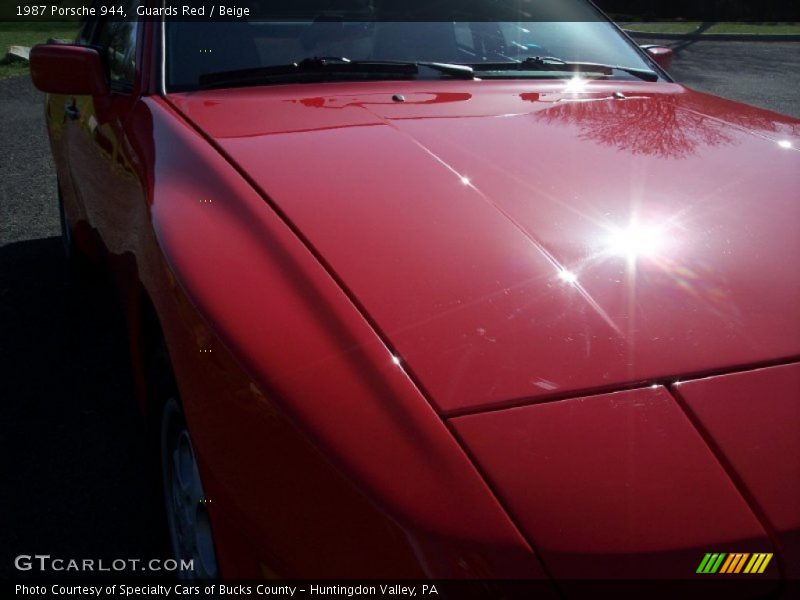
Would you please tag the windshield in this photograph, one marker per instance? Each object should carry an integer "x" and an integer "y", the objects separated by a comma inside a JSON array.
[{"x": 485, "y": 34}]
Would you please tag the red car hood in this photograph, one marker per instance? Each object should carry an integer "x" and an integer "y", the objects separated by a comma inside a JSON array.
[{"x": 514, "y": 242}]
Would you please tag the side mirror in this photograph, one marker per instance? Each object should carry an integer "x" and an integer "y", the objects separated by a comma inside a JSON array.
[
  {"x": 661, "y": 55},
  {"x": 64, "y": 69}
]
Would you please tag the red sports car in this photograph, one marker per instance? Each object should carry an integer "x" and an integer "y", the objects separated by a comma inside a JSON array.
[{"x": 464, "y": 289}]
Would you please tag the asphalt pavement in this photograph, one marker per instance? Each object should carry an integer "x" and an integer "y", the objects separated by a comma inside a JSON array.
[
  {"x": 72, "y": 456},
  {"x": 764, "y": 74},
  {"x": 76, "y": 482}
]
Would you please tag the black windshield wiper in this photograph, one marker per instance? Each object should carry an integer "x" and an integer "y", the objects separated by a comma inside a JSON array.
[
  {"x": 310, "y": 68},
  {"x": 551, "y": 63},
  {"x": 463, "y": 71}
]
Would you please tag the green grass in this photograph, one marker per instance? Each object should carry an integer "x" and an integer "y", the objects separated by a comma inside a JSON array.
[
  {"x": 29, "y": 34},
  {"x": 691, "y": 26},
  {"x": 758, "y": 28},
  {"x": 663, "y": 27},
  {"x": 10, "y": 70}
]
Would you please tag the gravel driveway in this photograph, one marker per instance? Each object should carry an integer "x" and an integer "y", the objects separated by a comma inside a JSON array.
[{"x": 764, "y": 74}]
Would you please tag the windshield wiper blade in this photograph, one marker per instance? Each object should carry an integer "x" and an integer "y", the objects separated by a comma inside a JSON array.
[
  {"x": 329, "y": 65},
  {"x": 456, "y": 70},
  {"x": 552, "y": 63}
]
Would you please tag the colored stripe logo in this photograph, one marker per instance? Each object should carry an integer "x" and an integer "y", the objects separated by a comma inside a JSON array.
[{"x": 736, "y": 562}]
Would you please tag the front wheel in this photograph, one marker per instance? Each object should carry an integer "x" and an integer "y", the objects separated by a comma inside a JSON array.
[{"x": 185, "y": 501}]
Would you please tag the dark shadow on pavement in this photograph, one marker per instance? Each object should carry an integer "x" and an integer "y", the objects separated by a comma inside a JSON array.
[
  {"x": 683, "y": 44},
  {"x": 76, "y": 478}
]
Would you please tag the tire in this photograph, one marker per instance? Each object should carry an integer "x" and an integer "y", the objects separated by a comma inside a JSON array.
[{"x": 187, "y": 514}]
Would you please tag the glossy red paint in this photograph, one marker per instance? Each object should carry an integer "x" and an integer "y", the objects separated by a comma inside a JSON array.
[
  {"x": 518, "y": 241},
  {"x": 753, "y": 419},
  {"x": 358, "y": 272},
  {"x": 321, "y": 364},
  {"x": 612, "y": 485},
  {"x": 63, "y": 69}
]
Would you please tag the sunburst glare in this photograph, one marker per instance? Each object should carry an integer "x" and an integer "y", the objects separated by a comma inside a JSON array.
[{"x": 636, "y": 241}]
